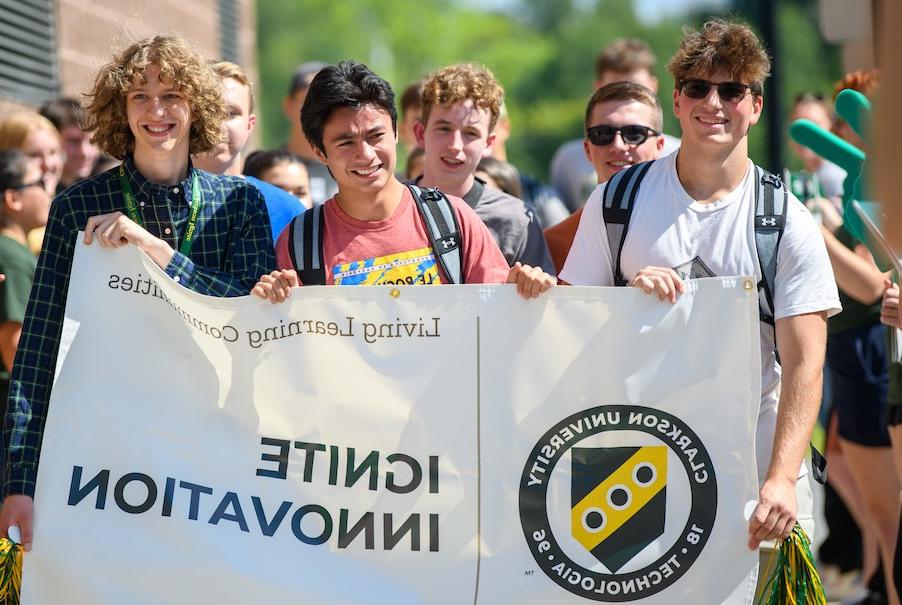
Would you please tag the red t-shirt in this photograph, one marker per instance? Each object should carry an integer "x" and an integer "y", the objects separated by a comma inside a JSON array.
[{"x": 397, "y": 250}]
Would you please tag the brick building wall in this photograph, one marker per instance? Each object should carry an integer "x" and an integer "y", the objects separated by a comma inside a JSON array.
[{"x": 88, "y": 32}]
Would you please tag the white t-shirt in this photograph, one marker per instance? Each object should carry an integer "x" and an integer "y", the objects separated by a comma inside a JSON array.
[{"x": 670, "y": 229}]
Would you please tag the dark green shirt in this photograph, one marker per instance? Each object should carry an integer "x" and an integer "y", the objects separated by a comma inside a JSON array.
[
  {"x": 854, "y": 314},
  {"x": 18, "y": 264}
]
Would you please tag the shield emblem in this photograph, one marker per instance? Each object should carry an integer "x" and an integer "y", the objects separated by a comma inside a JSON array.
[{"x": 618, "y": 498}]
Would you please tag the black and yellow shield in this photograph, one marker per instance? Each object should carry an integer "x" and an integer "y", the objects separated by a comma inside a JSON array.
[{"x": 618, "y": 497}]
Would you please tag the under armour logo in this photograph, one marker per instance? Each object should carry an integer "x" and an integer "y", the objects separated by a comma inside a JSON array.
[
  {"x": 768, "y": 221},
  {"x": 449, "y": 243}
]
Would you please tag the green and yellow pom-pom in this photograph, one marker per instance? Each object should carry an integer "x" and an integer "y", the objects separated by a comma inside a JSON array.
[
  {"x": 10, "y": 572},
  {"x": 794, "y": 580}
]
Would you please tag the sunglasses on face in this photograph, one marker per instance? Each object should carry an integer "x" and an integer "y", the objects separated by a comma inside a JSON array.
[
  {"x": 633, "y": 134},
  {"x": 38, "y": 183},
  {"x": 729, "y": 92}
]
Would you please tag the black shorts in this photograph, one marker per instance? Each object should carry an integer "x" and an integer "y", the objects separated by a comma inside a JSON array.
[{"x": 859, "y": 381}]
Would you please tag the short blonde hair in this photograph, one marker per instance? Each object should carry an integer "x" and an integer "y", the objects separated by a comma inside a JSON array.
[
  {"x": 15, "y": 128},
  {"x": 227, "y": 69},
  {"x": 721, "y": 45},
  {"x": 463, "y": 82},
  {"x": 179, "y": 64}
]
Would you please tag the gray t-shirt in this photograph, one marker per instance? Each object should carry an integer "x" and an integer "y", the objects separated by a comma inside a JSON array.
[{"x": 512, "y": 224}]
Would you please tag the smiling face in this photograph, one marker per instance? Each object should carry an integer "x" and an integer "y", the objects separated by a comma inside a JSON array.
[
  {"x": 43, "y": 146},
  {"x": 159, "y": 116},
  {"x": 712, "y": 122},
  {"x": 236, "y": 129},
  {"x": 611, "y": 159},
  {"x": 81, "y": 154},
  {"x": 29, "y": 206},
  {"x": 359, "y": 149},
  {"x": 455, "y": 138}
]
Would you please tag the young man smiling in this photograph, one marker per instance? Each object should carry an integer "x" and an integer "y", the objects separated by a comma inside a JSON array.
[
  {"x": 372, "y": 231},
  {"x": 461, "y": 105},
  {"x": 209, "y": 233},
  {"x": 623, "y": 60},
  {"x": 226, "y": 158},
  {"x": 623, "y": 128},
  {"x": 694, "y": 216}
]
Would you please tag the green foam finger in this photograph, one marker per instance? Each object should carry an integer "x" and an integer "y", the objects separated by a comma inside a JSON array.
[{"x": 855, "y": 108}]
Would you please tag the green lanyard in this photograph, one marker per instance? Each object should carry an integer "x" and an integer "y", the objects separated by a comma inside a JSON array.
[{"x": 131, "y": 206}]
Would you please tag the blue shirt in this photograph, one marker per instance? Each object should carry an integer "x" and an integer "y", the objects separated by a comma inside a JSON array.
[{"x": 281, "y": 205}]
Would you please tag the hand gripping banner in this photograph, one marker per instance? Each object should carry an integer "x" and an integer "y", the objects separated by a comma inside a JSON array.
[{"x": 434, "y": 445}]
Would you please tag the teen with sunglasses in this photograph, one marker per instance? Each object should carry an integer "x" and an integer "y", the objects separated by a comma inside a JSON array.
[
  {"x": 623, "y": 127},
  {"x": 24, "y": 205},
  {"x": 623, "y": 60},
  {"x": 693, "y": 217}
]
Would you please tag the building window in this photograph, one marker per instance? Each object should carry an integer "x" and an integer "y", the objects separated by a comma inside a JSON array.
[
  {"x": 28, "y": 65},
  {"x": 228, "y": 31}
]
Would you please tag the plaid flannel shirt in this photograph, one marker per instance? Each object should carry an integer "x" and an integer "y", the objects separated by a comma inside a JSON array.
[{"x": 232, "y": 249}]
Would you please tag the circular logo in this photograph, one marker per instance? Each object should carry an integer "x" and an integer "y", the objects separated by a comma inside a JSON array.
[{"x": 618, "y": 516}]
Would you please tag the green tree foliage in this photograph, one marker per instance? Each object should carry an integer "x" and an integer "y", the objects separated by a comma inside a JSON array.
[{"x": 542, "y": 51}]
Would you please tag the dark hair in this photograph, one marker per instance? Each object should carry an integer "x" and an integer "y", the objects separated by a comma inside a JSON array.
[
  {"x": 809, "y": 97},
  {"x": 505, "y": 175},
  {"x": 64, "y": 112},
  {"x": 627, "y": 92},
  {"x": 13, "y": 166},
  {"x": 411, "y": 97},
  {"x": 348, "y": 84},
  {"x": 257, "y": 163},
  {"x": 416, "y": 155},
  {"x": 303, "y": 74}
]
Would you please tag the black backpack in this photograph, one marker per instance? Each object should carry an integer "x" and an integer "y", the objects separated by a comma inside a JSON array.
[
  {"x": 770, "y": 217},
  {"x": 770, "y": 212},
  {"x": 306, "y": 237}
]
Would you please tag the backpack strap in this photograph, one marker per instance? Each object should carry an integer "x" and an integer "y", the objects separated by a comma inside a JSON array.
[
  {"x": 619, "y": 198},
  {"x": 771, "y": 199},
  {"x": 443, "y": 230},
  {"x": 305, "y": 245}
]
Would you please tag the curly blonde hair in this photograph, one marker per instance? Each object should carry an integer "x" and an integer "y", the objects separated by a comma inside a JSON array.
[
  {"x": 463, "y": 82},
  {"x": 721, "y": 45},
  {"x": 179, "y": 64}
]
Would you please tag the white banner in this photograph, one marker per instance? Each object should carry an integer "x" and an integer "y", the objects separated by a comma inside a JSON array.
[{"x": 439, "y": 445}]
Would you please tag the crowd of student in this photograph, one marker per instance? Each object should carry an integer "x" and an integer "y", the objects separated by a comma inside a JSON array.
[{"x": 155, "y": 158}]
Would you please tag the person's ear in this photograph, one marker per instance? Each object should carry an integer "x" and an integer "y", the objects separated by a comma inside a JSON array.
[
  {"x": 489, "y": 145},
  {"x": 11, "y": 200},
  {"x": 419, "y": 133},
  {"x": 251, "y": 122}
]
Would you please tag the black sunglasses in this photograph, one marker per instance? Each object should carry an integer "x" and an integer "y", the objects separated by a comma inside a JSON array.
[
  {"x": 37, "y": 183},
  {"x": 633, "y": 134},
  {"x": 729, "y": 92}
]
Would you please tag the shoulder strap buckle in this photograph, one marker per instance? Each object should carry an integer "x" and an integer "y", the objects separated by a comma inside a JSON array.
[{"x": 443, "y": 230}]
